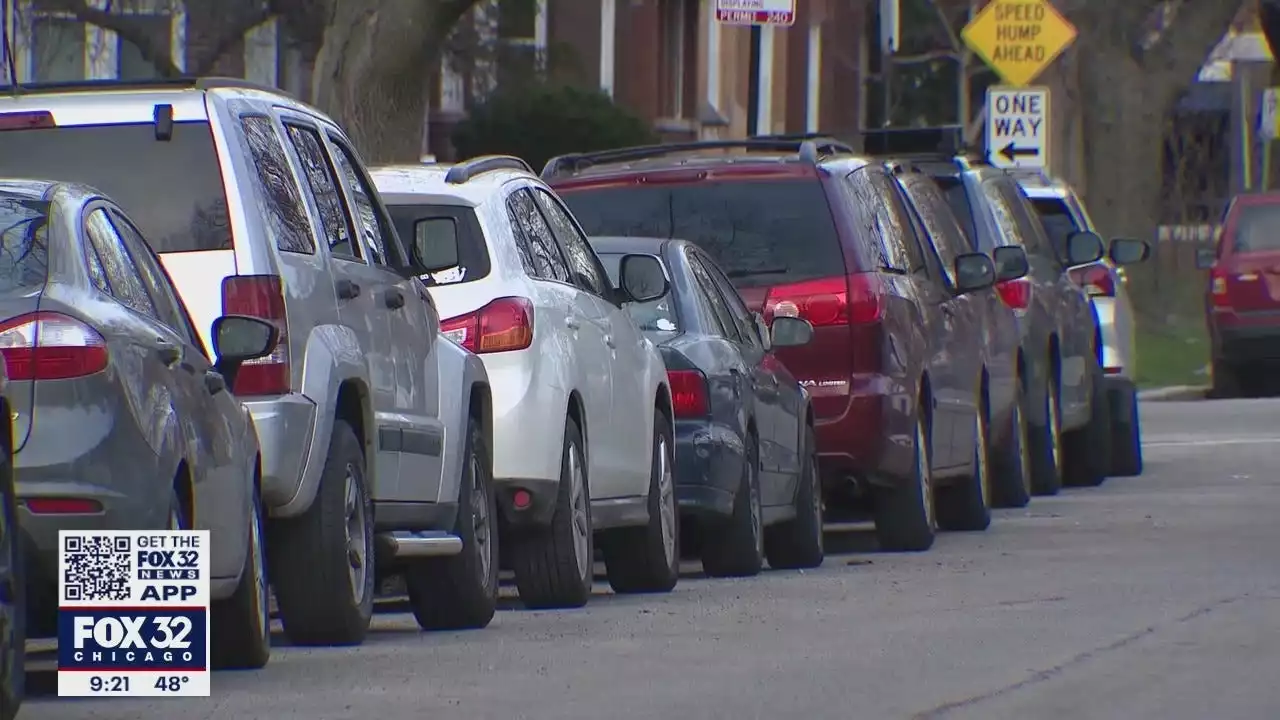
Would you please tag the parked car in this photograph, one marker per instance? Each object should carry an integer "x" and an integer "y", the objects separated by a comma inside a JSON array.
[
  {"x": 805, "y": 228},
  {"x": 13, "y": 607},
  {"x": 123, "y": 421},
  {"x": 1066, "y": 403},
  {"x": 259, "y": 206},
  {"x": 1242, "y": 300},
  {"x": 982, "y": 343},
  {"x": 582, "y": 414},
  {"x": 1062, "y": 213},
  {"x": 746, "y": 471}
]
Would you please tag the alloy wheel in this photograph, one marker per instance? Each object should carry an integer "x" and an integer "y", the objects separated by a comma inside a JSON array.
[
  {"x": 757, "y": 513},
  {"x": 578, "y": 507},
  {"x": 260, "y": 586},
  {"x": 924, "y": 472},
  {"x": 357, "y": 540},
  {"x": 981, "y": 466},
  {"x": 666, "y": 502},
  {"x": 481, "y": 529},
  {"x": 1055, "y": 428}
]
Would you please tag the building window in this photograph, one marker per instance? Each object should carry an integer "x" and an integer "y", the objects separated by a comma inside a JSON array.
[
  {"x": 678, "y": 60},
  {"x": 521, "y": 41},
  {"x": 57, "y": 49},
  {"x": 130, "y": 62}
]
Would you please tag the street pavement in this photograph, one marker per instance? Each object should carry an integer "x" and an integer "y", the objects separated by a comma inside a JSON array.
[{"x": 1154, "y": 597}]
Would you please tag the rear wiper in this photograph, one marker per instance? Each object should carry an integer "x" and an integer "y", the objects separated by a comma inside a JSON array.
[{"x": 765, "y": 271}]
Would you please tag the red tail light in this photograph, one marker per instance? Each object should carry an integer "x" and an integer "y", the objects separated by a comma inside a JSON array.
[
  {"x": 38, "y": 120},
  {"x": 1015, "y": 293},
  {"x": 688, "y": 393},
  {"x": 501, "y": 326},
  {"x": 1097, "y": 280},
  {"x": 260, "y": 296},
  {"x": 1218, "y": 287},
  {"x": 857, "y": 299},
  {"x": 62, "y": 506},
  {"x": 51, "y": 346}
]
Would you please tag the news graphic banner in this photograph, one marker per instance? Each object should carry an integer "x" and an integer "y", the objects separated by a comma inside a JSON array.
[{"x": 133, "y": 613}]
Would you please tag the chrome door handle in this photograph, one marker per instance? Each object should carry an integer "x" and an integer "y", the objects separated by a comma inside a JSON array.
[
  {"x": 608, "y": 340},
  {"x": 571, "y": 323}
]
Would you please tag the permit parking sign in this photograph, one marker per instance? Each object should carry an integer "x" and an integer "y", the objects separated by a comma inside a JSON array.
[
  {"x": 756, "y": 12},
  {"x": 133, "y": 613}
]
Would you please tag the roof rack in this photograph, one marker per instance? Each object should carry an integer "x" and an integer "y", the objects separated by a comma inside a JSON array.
[
  {"x": 172, "y": 83},
  {"x": 945, "y": 140},
  {"x": 810, "y": 150},
  {"x": 464, "y": 171},
  {"x": 1024, "y": 173}
]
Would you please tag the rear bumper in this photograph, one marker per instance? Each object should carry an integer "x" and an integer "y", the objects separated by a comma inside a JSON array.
[
  {"x": 1117, "y": 346},
  {"x": 286, "y": 426},
  {"x": 871, "y": 441},
  {"x": 709, "y": 465},
  {"x": 1254, "y": 337}
]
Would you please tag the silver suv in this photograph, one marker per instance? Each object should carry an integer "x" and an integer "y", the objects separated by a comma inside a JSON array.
[{"x": 370, "y": 422}]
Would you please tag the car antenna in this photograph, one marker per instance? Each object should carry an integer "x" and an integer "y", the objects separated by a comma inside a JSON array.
[{"x": 8, "y": 49}]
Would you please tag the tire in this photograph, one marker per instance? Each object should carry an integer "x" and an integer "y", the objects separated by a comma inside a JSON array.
[
  {"x": 1088, "y": 450},
  {"x": 734, "y": 547},
  {"x": 905, "y": 515},
  {"x": 1046, "y": 443},
  {"x": 646, "y": 559},
  {"x": 553, "y": 565},
  {"x": 460, "y": 592},
  {"x": 1126, "y": 429},
  {"x": 243, "y": 639},
  {"x": 965, "y": 506},
  {"x": 797, "y": 544},
  {"x": 13, "y": 684},
  {"x": 1011, "y": 466},
  {"x": 1227, "y": 379},
  {"x": 321, "y": 562}
]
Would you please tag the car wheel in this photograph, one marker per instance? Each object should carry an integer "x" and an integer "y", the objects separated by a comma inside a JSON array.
[
  {"x": 965, "y": 506},
  {"x": 321, "y": 562},
  {"x": 460, "y": 591},
  {"x": 797, "y": 543},
  {"x": 646, "y": 559},
  {"x": 1126, "y": 428},
  {"x": 1227, "y": 380},
  {"x": 1088, "y": 450},
  {"x": 1011, "y": 465},
  {"x": 1046, "y": 443},
  {"x": 553, "y": 565},
  {"x": 243, "y": 639},
  {"x": 905, "y": 515},
  {"x": 734, "y": 547},
  {"x": 13, "y": 665}
]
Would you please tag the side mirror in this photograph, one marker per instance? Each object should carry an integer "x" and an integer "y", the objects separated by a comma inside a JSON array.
[
  {"x": 1206, "y": 258},
  {"x": 237, "y": 338},
  {"x": 1084, "y": 247},
  {"x": 642, "y": 278},
  {"x": 435, "y": 245},
  {"x": 791, "y": 331},
  {"x": 1126, "y": 251},
  {"x": 762, "y": 330},
  {"x": 1011, "y": 262},
  {"x": 974, "y": 271}
]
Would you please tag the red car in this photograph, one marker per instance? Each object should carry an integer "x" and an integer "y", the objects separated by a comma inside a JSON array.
[{"x": 1242, "y": 302}]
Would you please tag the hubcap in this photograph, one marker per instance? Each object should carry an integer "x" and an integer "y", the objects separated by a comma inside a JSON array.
[
  {"x": 578, "y": 504},
  {"x": 480, "y": 529},
  {"x": 357, "y": 543},
  {"x": 259, "y": 572},
  {"x": 1055, "y": 427},
  {"x": 666, "y": 502},
  {"x": 816, "y": 497},
  {"x": 1023, "y": 448},
  {"x": 981, "y": 468},
  {"x": 925, "y": 473},
  {"x": 753, "y": 494}
]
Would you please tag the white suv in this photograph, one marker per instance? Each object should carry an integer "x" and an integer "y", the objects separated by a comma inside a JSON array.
[{"x": 582, "y": 421}]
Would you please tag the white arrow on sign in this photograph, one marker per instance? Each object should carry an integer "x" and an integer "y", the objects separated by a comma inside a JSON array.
[{"x": 1018, "y": 127}]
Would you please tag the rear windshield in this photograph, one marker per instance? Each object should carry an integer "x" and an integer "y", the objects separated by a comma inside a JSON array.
[
  {"x": 1257, "y": 228},
  {"x": 760, "y": 232},
  {"x": 447, "y": 236},
  {"x": 172, "y": 190},
  {"x": 653, "y": 318},
  {"x": 958, "y": 198},
  {"x": 1056, "y": 218},
  {"x": 24, "y": 242}
]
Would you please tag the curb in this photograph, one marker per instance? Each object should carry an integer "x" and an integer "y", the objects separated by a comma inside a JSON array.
[{"x": 1174, "y": 393}]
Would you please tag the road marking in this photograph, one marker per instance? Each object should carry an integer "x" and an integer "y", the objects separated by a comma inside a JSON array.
[{"x": 1204, "y": 443}]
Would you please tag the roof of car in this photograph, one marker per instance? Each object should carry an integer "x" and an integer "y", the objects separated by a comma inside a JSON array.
[
  {"x": 30, "y": 189},
  {"x": 403, "y": 183},
  {"x": 623, "y": 245}
]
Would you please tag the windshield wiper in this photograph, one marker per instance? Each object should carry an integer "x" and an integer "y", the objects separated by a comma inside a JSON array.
[{"x": 734, "y": 274}]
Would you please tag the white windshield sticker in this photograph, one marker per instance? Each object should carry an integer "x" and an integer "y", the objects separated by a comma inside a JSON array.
[{"x": 452, "y": 275}]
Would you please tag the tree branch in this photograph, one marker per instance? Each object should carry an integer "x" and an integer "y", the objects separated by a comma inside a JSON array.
[
  {"x": 925, "y": 57},
  {"x": 1196, "y": 28},
  {"x": 945, "y": 21},
  {"x": 152, "y": 52},
  {"x": 231, "y": 34}
]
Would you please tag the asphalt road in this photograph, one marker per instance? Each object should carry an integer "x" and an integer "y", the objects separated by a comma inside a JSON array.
[{"x": 1154, "y": 597}]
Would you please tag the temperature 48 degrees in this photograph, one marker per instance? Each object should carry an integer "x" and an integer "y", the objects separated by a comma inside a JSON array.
[{"x": 171, "y": 683}]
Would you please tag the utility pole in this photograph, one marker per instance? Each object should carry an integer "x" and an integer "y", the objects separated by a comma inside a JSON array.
[{"x": 890, "y": 39}]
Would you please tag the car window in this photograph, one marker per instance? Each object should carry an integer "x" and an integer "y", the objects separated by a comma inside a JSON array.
[
  {"x": 1034, "y": 238},
  {"x": 875, "y": 196},
  {"x": 125, "y": 284},
  {"x": 655, "y": 316},
  {"x": 24, "y": 260},
  {"x": 742, "y": 317},
  {"x": 762, "y": 232},
  {"x": 723, "y": 315},
  {"x": 445, "y": 224},
  {"x": 957, "y": 196},
  {"x": 1003, "y": 215},
  {"x": 159, "y": 286},
  {"x": 375, "y": 227},
  {"x": 1056, "y": 219},
  {"x": 526, "y": 220},
  {"x": 1257, "y": 227},
  {"x": 582, "y": 259},
  {"x": 323, "y": 184},
  {"x": 944, "y": 230},
  {"x": 278, "y": 195}
]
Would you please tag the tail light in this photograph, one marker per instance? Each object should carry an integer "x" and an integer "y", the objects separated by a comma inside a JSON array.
[
  {"x": 62, "y": 506},
  {"x": 857, "y": 299},
  {"x": 501, "y": 326},
  {"x": 51, "y": 346},
  {"x": 1097, "y": 280},
  {"x": 1218, "y": 288},
  {"x": 38, "y": 120},
  {"x": 260, "y": 296},
  {"x": 1015, "y": 293},
  {"x": 688, "y": 393}
]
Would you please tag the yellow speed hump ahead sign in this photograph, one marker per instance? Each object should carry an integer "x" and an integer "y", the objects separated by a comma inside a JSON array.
[{"x": 1019, "y": 38}]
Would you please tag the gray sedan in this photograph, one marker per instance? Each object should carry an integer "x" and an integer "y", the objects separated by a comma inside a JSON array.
[{"x": 121, "y": 420}]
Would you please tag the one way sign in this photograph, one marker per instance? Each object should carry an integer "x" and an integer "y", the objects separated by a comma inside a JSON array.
[{"x": 1018, "y": 127}]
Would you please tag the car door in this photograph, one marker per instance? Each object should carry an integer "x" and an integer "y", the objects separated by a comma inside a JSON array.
[
  {"x": 627, "y": 347},
  {"x": 413, "y": 326},
  {"x": 357, "y": 287}
]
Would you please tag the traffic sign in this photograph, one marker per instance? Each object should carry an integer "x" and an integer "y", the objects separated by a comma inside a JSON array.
[
  {"x": 1018, "y": 127},
  {"x": 756, "y": 12},
  {"x": 1019, "y": 38}
]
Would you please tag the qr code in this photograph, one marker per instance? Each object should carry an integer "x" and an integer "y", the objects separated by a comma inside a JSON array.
[{"x": 98, "y": 568}]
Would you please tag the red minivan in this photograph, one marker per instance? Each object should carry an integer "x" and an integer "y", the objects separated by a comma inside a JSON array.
[{"x": 1242, "y": 301}]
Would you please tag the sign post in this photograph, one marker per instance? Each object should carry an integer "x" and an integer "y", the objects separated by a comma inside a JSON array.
[
  {"x": 1018, "y": 127},
  {"x": 756, "y": 12},
  {"x": 1019, "y": 38}
]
